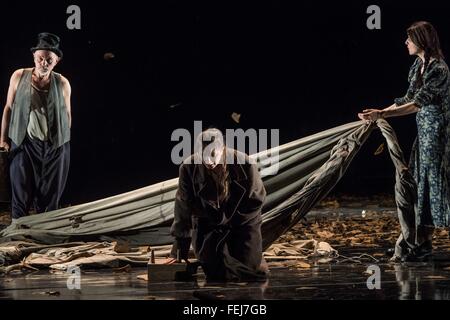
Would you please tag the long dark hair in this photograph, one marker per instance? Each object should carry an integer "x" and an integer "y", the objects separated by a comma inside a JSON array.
[{"x": 424, "y": 36}]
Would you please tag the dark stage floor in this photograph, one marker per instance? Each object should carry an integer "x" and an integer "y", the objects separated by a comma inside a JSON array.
[
  {"x": 414, "y": 281},
  {"x": 349, "y": 229}
]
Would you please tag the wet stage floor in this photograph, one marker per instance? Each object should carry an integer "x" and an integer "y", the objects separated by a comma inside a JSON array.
[
  {"x": 344, "y": 281},
  {"x": 337, "y": 280}
]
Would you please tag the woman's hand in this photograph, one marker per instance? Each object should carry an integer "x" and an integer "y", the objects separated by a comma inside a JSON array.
[{"x": 370, "y": 114}]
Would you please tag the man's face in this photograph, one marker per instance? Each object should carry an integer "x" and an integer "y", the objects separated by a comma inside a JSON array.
[
  {"x": 213, "y": 156},
  {"x": 45, "y": 61}
]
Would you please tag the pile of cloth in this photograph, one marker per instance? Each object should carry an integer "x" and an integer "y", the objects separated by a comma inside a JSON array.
[{"x": 307, "y": 170}]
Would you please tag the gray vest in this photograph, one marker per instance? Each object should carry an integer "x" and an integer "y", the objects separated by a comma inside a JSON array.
[{"x": 57, "y": 117}]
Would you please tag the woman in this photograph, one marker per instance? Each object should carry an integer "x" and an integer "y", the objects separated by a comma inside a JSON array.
[
  {"x": 428, "y": 96},
  {"x": 218, "y": 208}
]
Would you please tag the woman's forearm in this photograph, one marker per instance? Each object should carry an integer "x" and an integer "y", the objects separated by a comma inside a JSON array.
[
  {"x": 391, "y": 107},
  {"x": 394, "y": 111}
]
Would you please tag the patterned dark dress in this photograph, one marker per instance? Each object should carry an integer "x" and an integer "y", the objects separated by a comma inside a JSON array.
[{"x": 430, "y": 156}]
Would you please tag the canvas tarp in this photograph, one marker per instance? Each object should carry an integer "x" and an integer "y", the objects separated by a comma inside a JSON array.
[{"x": 308, "y": 169}]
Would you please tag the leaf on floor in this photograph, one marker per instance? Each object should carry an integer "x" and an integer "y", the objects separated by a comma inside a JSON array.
[
  {"x": 302, "y": 265},
  {"x": 143, "y": 277},
  {"x": 325, "y": 234},
  {"x": 124, "y": 269}
]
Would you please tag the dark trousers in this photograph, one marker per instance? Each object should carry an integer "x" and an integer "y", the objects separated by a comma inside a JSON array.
[{"x": 38, "y": 173}]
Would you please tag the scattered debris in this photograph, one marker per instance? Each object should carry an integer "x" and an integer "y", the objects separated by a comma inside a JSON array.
[
  {"x": 325, "y": 234},
  {"x": 345, "y": 230},
  {"x": 143, "y": 277},
  {"x": 302, "y": 265},
  {"x": 240, "y": 284},
  {"x": 18, "y": 266},
  {"x": 436, "y": 277},
  {"x": 121, "y": 247},
  {"x": 124, "y": 269},
  {"x": 377, "y": 229},
  {"x": 49, "y": 293},
  {"x": 275, "y": 258}
]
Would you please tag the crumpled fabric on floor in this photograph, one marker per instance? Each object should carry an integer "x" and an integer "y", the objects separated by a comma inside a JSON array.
[
  {"x": 94, "y": 254},
  {"x": 300, "y": 249},
  {"x": 308, "y": 169},
  {"x": 116, "y": 255}
]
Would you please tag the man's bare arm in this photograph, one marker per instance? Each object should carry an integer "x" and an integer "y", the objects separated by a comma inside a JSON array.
[{"x": 13, "y": 83}]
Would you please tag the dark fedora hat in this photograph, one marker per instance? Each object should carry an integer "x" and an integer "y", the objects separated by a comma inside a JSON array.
[{"x": 48, "y": 41}]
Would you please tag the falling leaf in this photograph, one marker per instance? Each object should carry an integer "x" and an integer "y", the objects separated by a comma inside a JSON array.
[
  {"x": 379, "y": 150},
  {"x": 108, "y": 56},
  {"x": 236, "y": 117},
  {"x": 173, "y": 106}
]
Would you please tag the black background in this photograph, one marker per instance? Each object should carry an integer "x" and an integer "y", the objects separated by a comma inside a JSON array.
[{"x": 300, "y": 67}]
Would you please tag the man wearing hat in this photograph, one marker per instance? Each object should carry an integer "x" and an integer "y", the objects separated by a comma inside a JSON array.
[{"x": 36, "y": 130}]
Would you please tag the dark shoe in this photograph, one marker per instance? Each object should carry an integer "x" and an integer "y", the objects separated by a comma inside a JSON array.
[
  {"x": 189, "y": 274},
  {"x": 395, "y": 259},
  {"x": 420, "y": 253},
  {"x": 390, "y": 251},
  {"x": 417, "y": 258}
]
